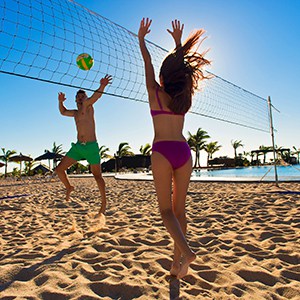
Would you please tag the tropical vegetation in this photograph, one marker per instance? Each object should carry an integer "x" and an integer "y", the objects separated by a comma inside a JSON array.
[
  {"x": 124, "y": 150},
  {"x": 146, "y": 149},
  {"x": 28, "y": 167},
  {"x": 103, "y": 152},
  {"x": 56, "y": 149},
  {"x": 236, "y": 144},
  {"x": 7, "y": 154},
  {"x": 296, "y": 152},
  {"x": 197, "y": 143},
  {"x": 210, "y": 149}
]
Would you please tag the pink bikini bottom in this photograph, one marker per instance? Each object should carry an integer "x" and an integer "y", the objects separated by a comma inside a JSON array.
[{"x": 176, "y": 152}]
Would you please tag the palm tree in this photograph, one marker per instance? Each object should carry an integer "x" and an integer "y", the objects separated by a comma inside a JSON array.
[
  {"x": 124, "y": 150},
  {"x": 265, "y": 150},
  {"x": 103, "y": 152},
  {"x": 211, "y": 148},
  {"x": 236, "y": 144},
  {"x": 5, "y": 158},
  {"x": 245, "y": 155},
  {"x": 28, "y": 167},
  {"x": 57, "y": 149},
  {"x": 146, "y": 149},
  {"x": 196, "y": 143}
]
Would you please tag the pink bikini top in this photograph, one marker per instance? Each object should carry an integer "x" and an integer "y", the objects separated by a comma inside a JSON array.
[{"x": 161, "y": 111}]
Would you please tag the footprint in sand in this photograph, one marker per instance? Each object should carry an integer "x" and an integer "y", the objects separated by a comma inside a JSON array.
[{"x": 97, "y": 223}]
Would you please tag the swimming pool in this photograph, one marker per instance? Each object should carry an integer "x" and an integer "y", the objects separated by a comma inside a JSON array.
[{"x": 253, "y": 173}]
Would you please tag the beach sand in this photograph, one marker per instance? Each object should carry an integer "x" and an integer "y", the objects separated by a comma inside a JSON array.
[{"x": 246, "y": 237}]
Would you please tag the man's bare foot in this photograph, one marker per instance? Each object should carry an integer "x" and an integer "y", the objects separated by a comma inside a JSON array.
[
  {"x": 175, "y": 268},
  {"x": 186, "y": 261},
  {"x": 69, "y": 191}
]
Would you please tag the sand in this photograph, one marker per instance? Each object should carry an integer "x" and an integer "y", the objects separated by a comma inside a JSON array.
[{"x": 246, "y": 237}]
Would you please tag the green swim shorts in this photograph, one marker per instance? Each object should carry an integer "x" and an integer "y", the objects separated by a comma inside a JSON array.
[{"x": 88, "y": 151}]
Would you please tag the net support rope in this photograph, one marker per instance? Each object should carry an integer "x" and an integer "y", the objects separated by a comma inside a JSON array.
[{"x": 41, "y": 39}]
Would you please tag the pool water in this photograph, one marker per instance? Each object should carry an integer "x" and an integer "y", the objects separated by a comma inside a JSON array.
[{"x": 255, "y": 173}]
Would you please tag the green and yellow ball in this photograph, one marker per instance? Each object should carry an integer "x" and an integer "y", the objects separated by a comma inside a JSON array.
[{"x": 84, "y": 61}]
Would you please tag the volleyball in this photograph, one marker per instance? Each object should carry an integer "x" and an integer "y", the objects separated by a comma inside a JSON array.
[{"x": 84, "y": 61}]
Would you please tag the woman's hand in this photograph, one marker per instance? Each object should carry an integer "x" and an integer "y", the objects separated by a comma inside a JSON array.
[
  {"x": 177, "y": 31},
  {"x": 144, "y": 28}
]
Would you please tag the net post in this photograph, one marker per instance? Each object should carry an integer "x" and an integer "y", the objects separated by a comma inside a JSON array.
[{"x": 273, "y": 139}]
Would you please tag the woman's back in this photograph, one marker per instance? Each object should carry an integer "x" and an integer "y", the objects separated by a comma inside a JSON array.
[{"x": 167, "y": 124}]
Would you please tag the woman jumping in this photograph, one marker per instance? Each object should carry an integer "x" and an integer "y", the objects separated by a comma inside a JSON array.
[{"x": 171, "y": 158}]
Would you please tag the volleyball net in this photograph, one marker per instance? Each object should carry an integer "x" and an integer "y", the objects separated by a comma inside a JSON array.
[{"x": 41, "y": 39}]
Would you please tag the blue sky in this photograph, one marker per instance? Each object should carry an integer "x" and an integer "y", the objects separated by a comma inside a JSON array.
[{"x": 253, "y": 44}]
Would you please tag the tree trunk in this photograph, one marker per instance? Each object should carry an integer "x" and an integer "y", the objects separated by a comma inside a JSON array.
[{"x": 196, "y": 158}]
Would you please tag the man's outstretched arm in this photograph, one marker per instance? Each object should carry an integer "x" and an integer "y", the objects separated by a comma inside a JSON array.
[{"x": 98, "y": 93}]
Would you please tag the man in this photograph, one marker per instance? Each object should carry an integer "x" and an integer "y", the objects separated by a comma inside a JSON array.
[{"x": 86, "y": 146}]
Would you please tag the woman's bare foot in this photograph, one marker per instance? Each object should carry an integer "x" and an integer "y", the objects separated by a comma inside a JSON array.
[
  {"x": 102, "y": 209},
  {"x": 99, "y": 215},
  {"x": 175, "y": 268},
  {"x": 69, "y": 191},
  {"x": 186, "y": 261}
]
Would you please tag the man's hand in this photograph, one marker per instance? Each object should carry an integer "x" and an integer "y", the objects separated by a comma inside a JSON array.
[
  {"x": 61, "y": 97},
  {"x": 107, "y": 79},
  {"x": 177, "y": 31}
]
